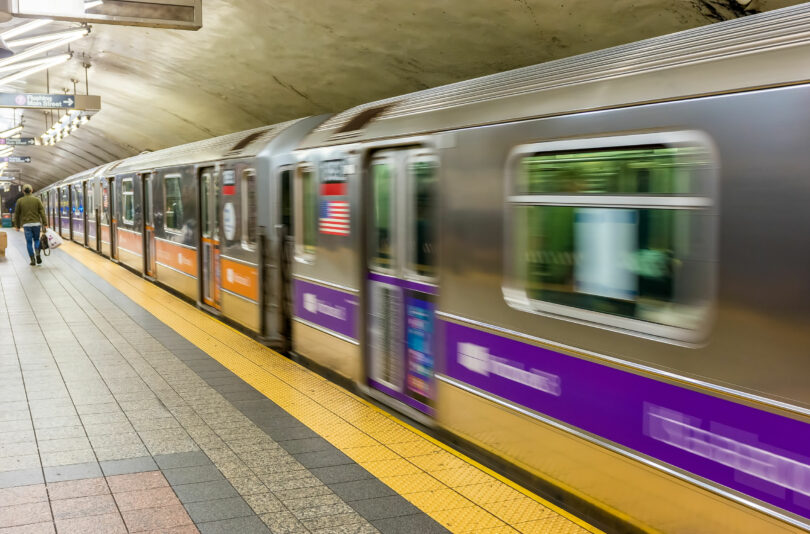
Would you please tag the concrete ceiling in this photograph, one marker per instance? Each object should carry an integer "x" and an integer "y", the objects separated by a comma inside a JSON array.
[{"x": 258, "y": 62}]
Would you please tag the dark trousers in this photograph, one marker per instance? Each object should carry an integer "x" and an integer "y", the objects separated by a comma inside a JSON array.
[{"x": 32, "y": 239}]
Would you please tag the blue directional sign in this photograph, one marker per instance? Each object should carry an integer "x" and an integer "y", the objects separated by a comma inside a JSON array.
[
  {"x": 18, "y": 141},
  {"x": 17, "y": 159},
  {"x": 37, "y": 100}
]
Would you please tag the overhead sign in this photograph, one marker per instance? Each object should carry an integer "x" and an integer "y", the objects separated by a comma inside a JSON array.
[
  {"x": 177, "y": 14},
  {"x": 49, "y": 101},
  {"x": 17, "y": 159},
  {"x": 18, "y": 141}
]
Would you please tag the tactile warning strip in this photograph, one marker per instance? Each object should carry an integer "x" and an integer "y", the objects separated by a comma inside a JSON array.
[{"x": 457, "y": 492}]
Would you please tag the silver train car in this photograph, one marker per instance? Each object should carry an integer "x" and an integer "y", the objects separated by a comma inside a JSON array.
[{"x": 593, "y": 269}]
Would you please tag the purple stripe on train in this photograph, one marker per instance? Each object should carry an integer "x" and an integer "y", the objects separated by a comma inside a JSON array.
[
  {"x": 326, "y": 307},
  {"x": 758, "y": 453}
]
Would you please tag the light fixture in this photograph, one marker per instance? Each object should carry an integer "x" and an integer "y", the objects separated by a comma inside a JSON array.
[
  {"x": 32, "y": 63},
  {"x": 61, "y": 128},
  {"x": 25, "y": 28},
  {"x": 34, "y": 39},
  {"x": 11, "y": 131},
  {"x": 90, "y": 4},
  {"x": 44, "y": 65},
  {"x": 6, "y": 152},
  {"x": 5, "y": 51},
  {"x": 45, "y": 47}
]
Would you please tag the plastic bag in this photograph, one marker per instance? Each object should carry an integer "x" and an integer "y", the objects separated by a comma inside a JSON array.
[{"x": 53, "y": 238}]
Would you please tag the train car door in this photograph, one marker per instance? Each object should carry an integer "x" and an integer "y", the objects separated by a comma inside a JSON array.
[
  {"x": 113, "y": 214},
  {"x": 64, "y": 212},
  {"x": 401, "y": 279},
  {"x": 84, "y": 213},
  {"x": 209, "y": 237},
  {"x": 91, "y": 214},
  {"x": 105, "y": 212},
  {"x": 148, "y": 225}
]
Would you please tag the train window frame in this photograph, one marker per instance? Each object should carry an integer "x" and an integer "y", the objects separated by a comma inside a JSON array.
[
  {"x": 127, "y": 195},
  {"x": 165, "y": 181},
  {"x": 245, "y": 177},
  {"x": 411, "y": 215},
  {"x": 302, "y": 253},
  {"x": 701, "y": 234}
]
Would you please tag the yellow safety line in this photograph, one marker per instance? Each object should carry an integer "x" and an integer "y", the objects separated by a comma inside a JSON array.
[{"x": 456, "y": 491}]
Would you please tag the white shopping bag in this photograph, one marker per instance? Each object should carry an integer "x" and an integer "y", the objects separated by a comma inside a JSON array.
[{"x": 53, "y": 238}]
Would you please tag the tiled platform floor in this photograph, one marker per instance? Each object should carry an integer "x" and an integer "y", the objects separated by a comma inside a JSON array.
[{"x": 110, "y": 421}]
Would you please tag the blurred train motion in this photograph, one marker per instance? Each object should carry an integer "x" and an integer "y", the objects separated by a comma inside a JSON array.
[{"x": 596, "y": 269}]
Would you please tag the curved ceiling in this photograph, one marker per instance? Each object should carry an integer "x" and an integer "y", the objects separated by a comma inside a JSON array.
[{"x": 258, "y": 62}]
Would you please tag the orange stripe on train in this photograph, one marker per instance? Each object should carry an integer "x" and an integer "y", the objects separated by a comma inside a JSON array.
[
  {"x": 178, "y": 257},
  {"x": 240, "y": 279}
]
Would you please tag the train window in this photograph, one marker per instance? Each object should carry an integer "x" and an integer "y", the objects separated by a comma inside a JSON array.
[
  {"x": 63, "y": 201},
  {"x": 249, "y": 209},
  {"x": 173, "y": 207},
  {"x": 382, "y": 233},
  {"x": 306, "y": 211},
  {"x": 90, "y": 204},
  {"x": 615, "y": 231},
  {"x": 127, "y": 201},
  {"x": 78, "y": 205},
  {"x": 424, "y": 196}
]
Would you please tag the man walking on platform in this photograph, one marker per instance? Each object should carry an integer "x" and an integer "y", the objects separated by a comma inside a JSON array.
[{"x": 29, "y": 213}]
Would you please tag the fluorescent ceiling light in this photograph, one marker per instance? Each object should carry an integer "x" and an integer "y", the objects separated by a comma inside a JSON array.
[
  {"x": 34, "y": 50},
  {"x": 56, "y": 60},
  {"x": 25, "y": 28},
  {"x": 33, "y": 63},
  {"x": 6, "y": 153},
  {"x": 34, "y": 39},
  {"x": 92, "y": 3},
  {"x": 11, "y": 131}
]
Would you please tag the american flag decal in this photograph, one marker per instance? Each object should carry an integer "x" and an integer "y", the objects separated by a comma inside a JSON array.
[{"x": 334, "y": 217}]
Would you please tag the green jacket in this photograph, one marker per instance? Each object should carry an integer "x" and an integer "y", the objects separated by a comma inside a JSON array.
[{"x": 29, "y": 209}]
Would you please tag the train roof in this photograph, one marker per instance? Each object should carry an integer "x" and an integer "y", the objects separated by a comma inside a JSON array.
[
  {"x": 83, "y": 175},
  {"x": 764, "y": 50},
  {"x": 243, "y": 144}
]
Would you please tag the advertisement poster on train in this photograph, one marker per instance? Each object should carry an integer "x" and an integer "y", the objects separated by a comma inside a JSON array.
[{"x": 420, "y": 343}]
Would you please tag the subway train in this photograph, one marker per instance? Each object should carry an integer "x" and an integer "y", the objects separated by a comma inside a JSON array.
[{"x": 594, "y": 270}]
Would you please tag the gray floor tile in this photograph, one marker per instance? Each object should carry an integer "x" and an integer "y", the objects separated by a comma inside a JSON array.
[
  {"x": 182, "y": 459},
  {"x": 299, "y": 446},
  {"x": 350, "y": 523},
  {"x": 191, "y": 475},
  {"x": 206, "y": 511},
  {"x": 131, "y": 465},
  {"x": 24, "y": 477},
  {"x": 283, "y": 522},
  {"x": 72, "y": 472},
  {"x": 384, "y": 507},
  {"x": 326, "y": 458},
  {"x": 205, "y": 491},
  {"x": 340, "y": 473},
  {"x": 242, "y": 525},
  {"x": 290, "y": 433},
  {"x": 408, "y": 524},
  {"x": 361, "y": 489}
]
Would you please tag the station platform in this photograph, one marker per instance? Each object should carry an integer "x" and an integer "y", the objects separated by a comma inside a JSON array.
[{"x": 126, "y": 409}]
